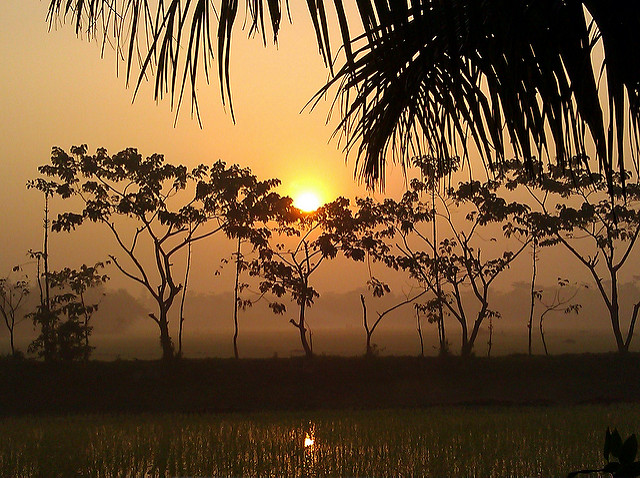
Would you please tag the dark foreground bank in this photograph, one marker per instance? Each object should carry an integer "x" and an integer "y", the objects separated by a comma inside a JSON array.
[{"x": 222, "y": 385}]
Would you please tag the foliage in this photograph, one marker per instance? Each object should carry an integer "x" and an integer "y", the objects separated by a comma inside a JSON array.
[
  {"x": 286, "y": 267},
  {"x": 399, "y": 236},
  {"x": 623, "y": 453},
  {"x": 12, "y": 296},
  {"x": 170, "y": 207},
  {"x": 64, "y": 321},
  {"x": 596, "y": 222},
  {"x": 428, "y": 74}
]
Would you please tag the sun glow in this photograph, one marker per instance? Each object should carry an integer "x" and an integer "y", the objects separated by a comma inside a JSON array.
[{"x": 307, "y": 201}]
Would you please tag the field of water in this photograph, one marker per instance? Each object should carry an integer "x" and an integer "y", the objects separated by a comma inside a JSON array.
[{"x": 434, "y": 442}]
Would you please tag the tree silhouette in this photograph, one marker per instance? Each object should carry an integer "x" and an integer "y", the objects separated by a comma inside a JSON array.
[
  {"x": 597, "y": 225},
  {"x": 422, "y": 74},
  {"x": 401, "y": 239},
  {"x": 44, "y": 315},
  {"x": 79, "y": 282},
  {"x": 306, "y": 241},
  {"x": 559, "y": 303},
  {"x": 237, "y": 301},
  {"x": 378, "y": 290},
  {"x": 13, "y": 292},
  {"x": 169, "y": 207},
  {"x": 64, "y": 321}
]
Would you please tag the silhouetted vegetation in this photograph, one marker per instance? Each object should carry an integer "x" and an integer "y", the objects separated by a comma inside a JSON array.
[
  {"x": 434, "y": 76},
  {"x": 445, "y": 239},
  {"x": 286, "y": 269},
  {"x": 126, "y": 186},
  {"x": 620, "y": 457},
  {"x": 577, "y": 207},
  {"x": 64, "y": 320},
  {"x": 401, "y": 237},
  {"x": 559, "y": 303},
  {"x": 12, "y": 295}
]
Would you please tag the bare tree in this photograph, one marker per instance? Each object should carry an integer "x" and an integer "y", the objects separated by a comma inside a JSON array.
[
  {"x": 559, "y": 303},
  {"x": 13, "y": 292},
  {"x": 378, "y": 290}
]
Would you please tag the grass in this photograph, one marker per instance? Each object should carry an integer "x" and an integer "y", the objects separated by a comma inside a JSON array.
[{"x": 435, "y": 442}]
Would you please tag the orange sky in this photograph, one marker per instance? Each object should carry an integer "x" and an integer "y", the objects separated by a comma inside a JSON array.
[{"x": 56, "y": 90}]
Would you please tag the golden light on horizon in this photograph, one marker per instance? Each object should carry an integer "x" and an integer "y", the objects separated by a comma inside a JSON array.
[{"x": 307, "y": 201}]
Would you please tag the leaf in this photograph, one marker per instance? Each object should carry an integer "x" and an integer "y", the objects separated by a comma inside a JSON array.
[
  {"x": 628, "y": 450},
  {"x": 615, "y": 444}
]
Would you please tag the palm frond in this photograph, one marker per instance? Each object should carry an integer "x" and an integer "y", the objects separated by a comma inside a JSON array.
[
  {"x": 504, "y": 75},
  {"x": 436, "y": 76}
]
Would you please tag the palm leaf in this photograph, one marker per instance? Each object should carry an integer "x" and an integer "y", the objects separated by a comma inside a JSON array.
[{"x": 436, "y": 76}]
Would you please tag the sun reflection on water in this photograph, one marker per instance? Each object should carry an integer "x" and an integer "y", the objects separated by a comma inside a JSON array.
[
  {"x": 310, "y": 463},
  {"x": 308, "y": 441}
]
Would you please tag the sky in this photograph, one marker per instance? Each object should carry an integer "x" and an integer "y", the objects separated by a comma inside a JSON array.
[{"x": 56, "y": 90}]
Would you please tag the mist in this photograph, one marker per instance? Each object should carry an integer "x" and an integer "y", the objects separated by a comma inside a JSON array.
[{"x": 122, "y": 328}]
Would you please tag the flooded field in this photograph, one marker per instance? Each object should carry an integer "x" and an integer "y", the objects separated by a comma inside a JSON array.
[{"x": 436, "y": 442}]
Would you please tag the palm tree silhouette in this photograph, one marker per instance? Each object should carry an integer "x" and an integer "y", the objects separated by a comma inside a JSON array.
[{"x": 491, "y": 78}]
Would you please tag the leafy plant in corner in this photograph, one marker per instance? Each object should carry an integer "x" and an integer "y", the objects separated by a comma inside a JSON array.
[{"x": 620, "y": 457}]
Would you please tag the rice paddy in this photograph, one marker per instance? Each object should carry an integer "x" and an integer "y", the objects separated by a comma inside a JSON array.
[{"x": 435, "y": 442}]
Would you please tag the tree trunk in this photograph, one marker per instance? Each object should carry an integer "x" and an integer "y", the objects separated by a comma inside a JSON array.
[
  {"x": 303, "y": 333},
  {"x": 544, "y": 342},
  {"x": 184, "y": 294},
  {"x": 236, "y": 354},
  {"x": 474, "y": 332},
  {"x": 235, "y": 302},
  {"x": 465, "y": 350},
  {"x": 87, "y": 350},
  {"x": 615, "y": 323},
  {"x": 444, "y": 345},
  {"x": 533, "y": 297},
  {"x": 45, "y": 251},
  {"x": 490, "y": 343},
  {"x": 13, "y": 349},
  {"x": 369, "y": 350},
  {"x": 442, "y": 336},
  {"x": 165, "y": 339},
  {"x": 614, "y": 311},
  {"x": 420, "y": 335}
]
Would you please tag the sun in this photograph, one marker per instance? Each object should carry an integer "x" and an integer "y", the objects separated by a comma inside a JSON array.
[{"x": 307, "y": 201}]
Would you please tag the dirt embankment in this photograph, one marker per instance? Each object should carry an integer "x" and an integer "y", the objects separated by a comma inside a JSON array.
[{"x": 223, "y": 385}]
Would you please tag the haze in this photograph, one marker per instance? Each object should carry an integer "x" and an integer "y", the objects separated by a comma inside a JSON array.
[{"x": 56, "y": 90}]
